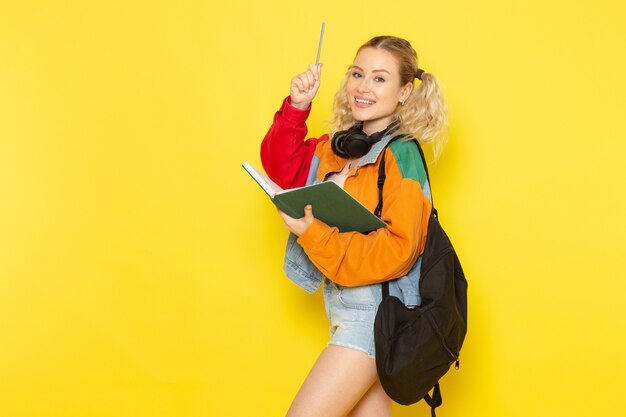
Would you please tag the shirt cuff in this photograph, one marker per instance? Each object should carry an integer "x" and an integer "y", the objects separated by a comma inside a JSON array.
[{"x": 292, "y": 114}]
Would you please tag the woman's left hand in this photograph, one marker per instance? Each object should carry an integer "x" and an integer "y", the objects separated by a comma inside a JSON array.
[{"x": 298, "y": 226}]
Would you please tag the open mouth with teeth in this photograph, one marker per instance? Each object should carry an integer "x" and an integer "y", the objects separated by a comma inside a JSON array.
[{"x": 361, "y": 102}]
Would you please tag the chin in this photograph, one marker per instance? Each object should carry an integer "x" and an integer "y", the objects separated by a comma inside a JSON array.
[{"x": 359, "y": 116}]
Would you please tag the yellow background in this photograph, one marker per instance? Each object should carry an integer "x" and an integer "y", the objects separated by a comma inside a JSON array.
[{"x": 140, "y": 268}]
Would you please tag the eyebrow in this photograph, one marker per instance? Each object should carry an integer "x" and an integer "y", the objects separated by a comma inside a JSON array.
[{"x": 376, "y": 70}]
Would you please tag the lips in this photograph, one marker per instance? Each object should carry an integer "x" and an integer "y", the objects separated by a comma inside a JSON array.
[{"x": 362, "y": 102}]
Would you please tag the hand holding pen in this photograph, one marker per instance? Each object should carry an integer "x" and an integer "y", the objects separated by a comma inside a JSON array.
[{"x": 304, "y": 86}]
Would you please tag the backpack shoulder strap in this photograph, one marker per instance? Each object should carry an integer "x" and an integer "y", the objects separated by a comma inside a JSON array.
[
  {"x": 381, "y": 182},
  {"x": 382, "y": 175}
]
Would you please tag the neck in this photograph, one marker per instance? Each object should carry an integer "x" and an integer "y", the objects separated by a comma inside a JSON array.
[{"x": 374, "y": 126}]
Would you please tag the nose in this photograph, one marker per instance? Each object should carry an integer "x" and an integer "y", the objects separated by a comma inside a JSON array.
[{"x": 364, "y": 85}]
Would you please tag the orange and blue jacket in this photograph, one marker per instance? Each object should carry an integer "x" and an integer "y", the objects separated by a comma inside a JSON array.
[{"x": 353, "y": 258}]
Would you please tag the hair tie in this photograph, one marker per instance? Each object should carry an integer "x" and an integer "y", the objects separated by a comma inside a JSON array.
[{"x": 418, "y": 74}]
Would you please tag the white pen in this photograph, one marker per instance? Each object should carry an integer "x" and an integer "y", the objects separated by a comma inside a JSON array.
[{"x": 319, "y": 47}]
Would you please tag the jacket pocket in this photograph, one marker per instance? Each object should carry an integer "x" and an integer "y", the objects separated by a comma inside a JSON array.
[{"x": 409, "y": 286}]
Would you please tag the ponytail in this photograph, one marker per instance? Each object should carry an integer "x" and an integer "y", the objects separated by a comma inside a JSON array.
[{"x": 424, "y": 114}]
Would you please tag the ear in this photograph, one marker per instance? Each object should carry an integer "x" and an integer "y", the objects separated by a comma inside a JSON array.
[{"x": 405, "y": 91}]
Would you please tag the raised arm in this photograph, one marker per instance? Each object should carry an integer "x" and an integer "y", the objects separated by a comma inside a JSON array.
[{"x": 285, "y": 154}]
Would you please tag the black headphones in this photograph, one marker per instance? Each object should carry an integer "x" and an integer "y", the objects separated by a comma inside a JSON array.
[{"x": 354, "y": 143}]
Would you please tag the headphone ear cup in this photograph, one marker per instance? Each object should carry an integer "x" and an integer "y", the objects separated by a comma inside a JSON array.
[
  {"x": 356, "y": 144},
  {"x": 337, "y": 143}
]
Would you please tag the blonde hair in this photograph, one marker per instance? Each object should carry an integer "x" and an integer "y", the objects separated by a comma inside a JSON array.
[{"x": 423, "y": 115}]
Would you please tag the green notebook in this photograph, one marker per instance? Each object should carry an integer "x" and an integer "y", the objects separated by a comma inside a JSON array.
[{"x": 331, "y": 204}]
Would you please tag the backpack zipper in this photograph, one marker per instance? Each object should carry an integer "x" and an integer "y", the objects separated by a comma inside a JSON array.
[{"x": 433, "y": 324}]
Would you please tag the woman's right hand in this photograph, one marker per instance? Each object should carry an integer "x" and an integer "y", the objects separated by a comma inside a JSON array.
[{"x": 304, "y": 87}]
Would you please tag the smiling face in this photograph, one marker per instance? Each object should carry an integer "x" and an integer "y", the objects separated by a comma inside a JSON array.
[{"x": 374, "y": 88}]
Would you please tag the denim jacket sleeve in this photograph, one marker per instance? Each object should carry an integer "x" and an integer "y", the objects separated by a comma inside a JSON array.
[{"x": 299, "y": 268}]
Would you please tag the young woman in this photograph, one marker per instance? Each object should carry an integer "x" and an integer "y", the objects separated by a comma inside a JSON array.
[{"x": 377, "y": 101}]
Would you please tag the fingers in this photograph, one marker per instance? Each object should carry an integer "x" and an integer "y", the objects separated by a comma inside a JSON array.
[
  {"x": 308, "y": 212},
  {"x": 289, "y": 221},
  {"x": 298, "y": 226},
  {"x": 304, "y": 87},
  {"x": 308, "y": 79},
  {"x": 299, "y": 84},
  {"x": 316, "y": 71},
  {"x": 305, "y": 82}
]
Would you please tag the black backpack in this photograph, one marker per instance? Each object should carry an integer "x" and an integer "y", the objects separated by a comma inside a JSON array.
[{"x": 415, "y": 347}]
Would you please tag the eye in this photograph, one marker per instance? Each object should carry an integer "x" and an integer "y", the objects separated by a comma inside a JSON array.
[
  {"x": 356, "y": 74},
  {"x": 379, "y": 79}
]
